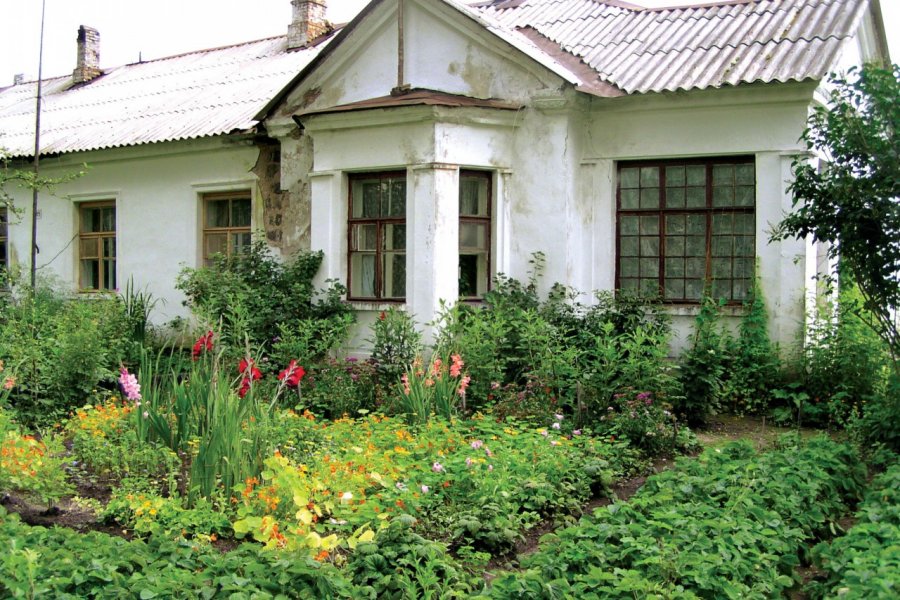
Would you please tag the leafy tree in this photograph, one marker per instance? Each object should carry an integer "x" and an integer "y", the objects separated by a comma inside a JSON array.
[{"x": 852, "y": 204}]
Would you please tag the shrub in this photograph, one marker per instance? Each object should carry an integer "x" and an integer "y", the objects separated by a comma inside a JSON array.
[
  {"x": 754, "y": 365},
  {"x": 395, "y": 344},
  {"x": 63, "y": 348},
  {"x": 703, "y": 367},
  {"x": 334, "y": 388},
  {"x": 257, "y": 297}
]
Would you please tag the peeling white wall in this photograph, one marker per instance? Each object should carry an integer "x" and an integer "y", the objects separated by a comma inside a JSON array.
[{"x": 157, "y": 191}]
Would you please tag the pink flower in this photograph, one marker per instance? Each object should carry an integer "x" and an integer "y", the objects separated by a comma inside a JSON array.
[
  {"x": 555, "y": 426},
  {"x": 554, "y": 443},
  {"x": 436, "y": 368},
  {"x": 543, "y": 432},
  {"x": 464, "y": 384},
  {"x": 490, "y": 467},
  {"x": 476, "y": 444},
  {"x": 488, "y": 452},
  {"x": 437, "y": 467},
  {"x": 425, "y": 489},
  {"x": 9, "y": 382},
  {"x": 130, "y": 386},
  {"x": 468, "y": 462},
  {"x": 558, "y": 417},
  {"x": 576, "y": 432},
  {"x": 456, "y": 366},
  {"x": 405, "y": 379},
  {"x": 495, "y": 385}
]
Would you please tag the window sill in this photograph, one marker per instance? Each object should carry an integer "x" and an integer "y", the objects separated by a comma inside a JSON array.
[{"x": 376, "y": 305}]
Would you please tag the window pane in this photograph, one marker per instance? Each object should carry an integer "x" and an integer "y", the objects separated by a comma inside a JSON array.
[
  {"x": 721, "y": 268},
  {"x": 723, "y": 175},
  {"x": 473, "y": 275},
  {"x": 740, "y": 289},
  {"x": 695, "y": 267},
  {"x": 675, "y": 176},
  {"x": 675, "y": 224},
  {"x": 649, "y": 225},
  {"x": 89, "y": 248},
  {"x": 109, "y": 247},
  {"x": 722, "y": 246},
  {"x": 650, "y": 197},
  {"x": 744, "y": 223},
  {"x": 745, "y": 174},
  {"x": 90, "y": 220},
  {"x": 696, "y": 197},
  {"x": 649, "y": 246},
  {"x": 696, "y": 224},
  {"x": 396, "y": 199},
  {"x": 675, "y": 197},
  {"x": 472, "y": 238},
  {"x": 695, "y": 245},
  {"x": 394, "y": 265},
  {"x": 674, "y": 246},
  {"x": 216, "y": 243},
  {"x": 693, "y": 289},
  {"x": 721, "y": 288},
  {"x": 696, "y": 175},
  {"x": 649, "y": 177},
  {"x": 366, "y": 199},
  {"x": 109, "y": 274},
  {"x": 629, "y": 246},
  {"x": 743, "y": 246},
  {"x": 723, "y": 196},
  {"x": 240, "y": 242},
  {"x": 217, "y": 213},
  {"x": 674, "y": 289},
  {"x": 649, "y": 267},
  {"x": 721, "y": 223},
  {"x": 649, "y": 288},
  {"x": 630, "y": 199},
  {"x": 108, "y": 218},
  {"x": 364, "y": 237},
  {"x": 629, "y": 286},
  {"x": 744, "y": 195},
  {"x": 674, "y": 267},
  {"x": 629, "y": 178},
  {"x": 629, "y": 225},
  {"x": 90, "y": 274},
  {"x": 240, "y": 213},
  {"x": 473, "y": 196},
  {"x": 362, "y": 275},
  {"x": 394, "y": 237},
  {"x": 629, "y": 267}
]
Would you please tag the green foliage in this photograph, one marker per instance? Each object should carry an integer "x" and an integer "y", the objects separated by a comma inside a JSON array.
[
  {"x": 257, "y": 297},
  {"x": 38, "y": 562},
  {"x": 865, "y": 563},
  {"x": 703, "y": 366},
  {"x": 309, "y": 340},
  {"x": 754, "y": 366},
  {"x": 63, "y": 348},
  {"x": 401, "y": 564},
  {"x": 33, "y": 467},
  {"x": 852, "y": 204},
  {"x": 333, "y": 388},
  {"x": 670, "y": 539},
  {"x": 144, "y": 512},
  {"x": 395, "y": 344}
]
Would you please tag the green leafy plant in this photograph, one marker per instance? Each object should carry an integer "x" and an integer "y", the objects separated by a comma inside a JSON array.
[
  {"x": 395, "y": 344},
  {"x": 754, "y": 366},
  {"x": 703, "y": 367}
]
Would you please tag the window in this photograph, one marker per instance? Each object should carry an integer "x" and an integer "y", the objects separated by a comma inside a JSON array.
[
  {"x": 97, "y": 246},
  {"x": 474, "y": 234},
  {"x": 377, "y": 237},
  {"x": 226, "y": 224},
  {"x": 683, "y": 225},
  {"x": 4, "y": 239}
]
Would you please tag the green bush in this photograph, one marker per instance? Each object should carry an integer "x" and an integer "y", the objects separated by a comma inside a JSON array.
[
  {"x": 754, "y": 366},
  {"x": 62, "y": 347},
  {"x": 257, "y": 297},
  {"x": 703, "y": 367}
]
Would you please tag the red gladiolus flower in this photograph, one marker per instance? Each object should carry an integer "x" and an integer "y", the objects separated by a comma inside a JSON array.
[
  {"x": 248, "y": 369},
  {"x": 245, "y": 387},
  {"x": 204, "y": 344},
  {"x": 292, "y": 375}
]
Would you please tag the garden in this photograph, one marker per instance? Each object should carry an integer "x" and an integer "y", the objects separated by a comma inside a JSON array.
[{"x": 538, "y": 448}]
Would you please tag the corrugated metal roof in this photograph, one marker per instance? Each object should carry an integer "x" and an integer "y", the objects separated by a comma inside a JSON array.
[
  {"x": 669, "y": 49},
  {"x": 204, "y": 93}
]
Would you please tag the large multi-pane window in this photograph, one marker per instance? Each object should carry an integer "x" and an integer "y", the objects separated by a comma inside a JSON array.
[
  {"x": 474, "y": 234},
  {"x": 685, "y": 226},
  {"x": 4, "y": 239},
  {"x": 226, "y": 224},
  {"x": 377, "y": 237},
  {"x": 97, "y": 246}
]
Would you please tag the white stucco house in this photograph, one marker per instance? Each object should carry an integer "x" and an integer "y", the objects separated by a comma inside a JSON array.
[{"x": 429, "y": 145}]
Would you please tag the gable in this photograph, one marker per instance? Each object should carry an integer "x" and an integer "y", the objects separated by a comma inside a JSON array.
[{"x": 446, "y": 48}]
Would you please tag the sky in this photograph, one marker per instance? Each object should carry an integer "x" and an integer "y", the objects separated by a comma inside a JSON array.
[{"x": 149, "y": 29}]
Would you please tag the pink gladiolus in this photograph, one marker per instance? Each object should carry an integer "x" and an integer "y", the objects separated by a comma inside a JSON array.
[
  {"x": 9, "y": 382},
  {"x": 456, "y": 366},
  {"x": 436, "y": 367},
  {"x": 405, "y": 379},
  {"x": 130, "y": 386},
  {"x": 464, "y": 384}
]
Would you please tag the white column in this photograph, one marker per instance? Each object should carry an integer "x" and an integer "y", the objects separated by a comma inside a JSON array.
[
  {"x": 328, "y": 225},
  {"x": 432, "y": 230}
]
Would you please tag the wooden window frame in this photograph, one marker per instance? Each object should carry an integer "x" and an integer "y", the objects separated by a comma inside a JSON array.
[
  {"x": 99, "y": 236},
  {"x": 709, "y": 210},
  {"x": 380, "y": 224},
  {"x": 229, "y": 231},
  {"x": 486, "y": 221}
]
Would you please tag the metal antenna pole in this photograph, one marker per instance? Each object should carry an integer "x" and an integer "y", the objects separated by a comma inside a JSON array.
[{"x": 37, "y": 151}]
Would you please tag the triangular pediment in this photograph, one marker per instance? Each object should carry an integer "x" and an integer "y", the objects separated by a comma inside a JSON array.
[{"x": 446, "y": 47}]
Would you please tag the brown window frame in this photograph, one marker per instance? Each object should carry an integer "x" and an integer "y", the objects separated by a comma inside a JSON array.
[
  {"x": 229, "y": 231},
  {"x": 486, "y": 221},
  {"x": 380, "y": 224},
  {"x": 708, "y": 211},
  {"x": 99, "y": 237}
]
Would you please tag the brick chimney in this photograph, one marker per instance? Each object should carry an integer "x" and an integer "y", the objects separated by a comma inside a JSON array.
[
  {"x": 307, "y": 24},
  {"x": 18, "y": 78},
  {"x": 88, "y": 65}
]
